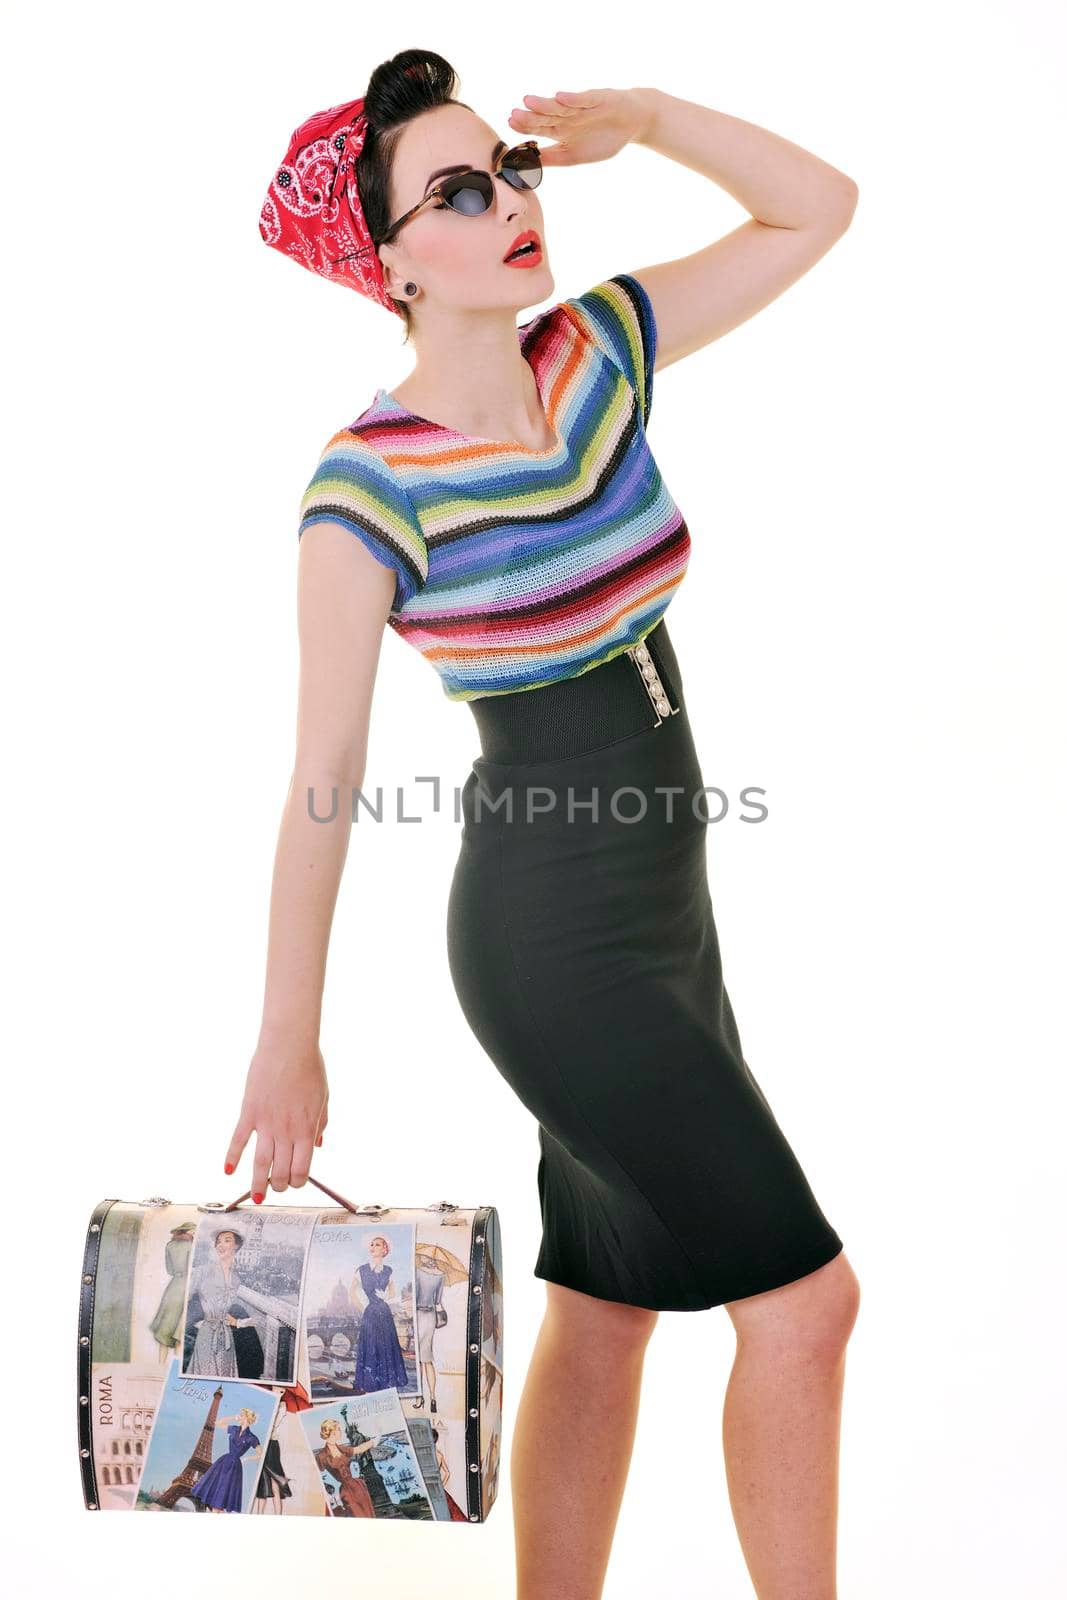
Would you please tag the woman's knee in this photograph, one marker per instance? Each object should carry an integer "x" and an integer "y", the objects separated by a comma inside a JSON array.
[{"x": 811, "y": 1317}]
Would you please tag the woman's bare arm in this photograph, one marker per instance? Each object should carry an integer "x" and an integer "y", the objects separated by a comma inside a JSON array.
[
  {"x": 343, "y": 599},
  {"x": 800, "y": 205}
]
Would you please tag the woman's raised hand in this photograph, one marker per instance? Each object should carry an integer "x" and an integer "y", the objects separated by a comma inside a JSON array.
[
  {"x": 587, "y": 124},
  {"x": 286, "y": 1105}
]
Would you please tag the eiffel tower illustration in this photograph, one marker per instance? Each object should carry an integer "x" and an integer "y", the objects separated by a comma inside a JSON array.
[{"x": 197, "y": 1463}]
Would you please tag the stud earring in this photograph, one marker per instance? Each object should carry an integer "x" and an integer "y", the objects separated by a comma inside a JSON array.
[{"x": 411, "y": 288}]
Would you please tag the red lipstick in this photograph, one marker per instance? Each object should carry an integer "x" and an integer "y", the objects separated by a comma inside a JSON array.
[{"x": 528, "y": 257}]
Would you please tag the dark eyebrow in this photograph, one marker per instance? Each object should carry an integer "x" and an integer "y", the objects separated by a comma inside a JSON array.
[{"x": 465, "y": 166}]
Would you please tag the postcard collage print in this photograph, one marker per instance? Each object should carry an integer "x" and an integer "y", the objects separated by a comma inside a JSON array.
[{"x": 292, "y": 1361}]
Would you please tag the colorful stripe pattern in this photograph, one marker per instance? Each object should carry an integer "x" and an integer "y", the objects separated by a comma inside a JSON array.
[{"x": 517, "y": 567}]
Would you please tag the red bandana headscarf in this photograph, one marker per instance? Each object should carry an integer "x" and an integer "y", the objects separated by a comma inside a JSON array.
[{"x": 312, "y": 211}]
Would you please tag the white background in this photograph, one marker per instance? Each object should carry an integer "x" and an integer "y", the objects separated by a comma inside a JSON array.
[{"x": 870, "y": 628}]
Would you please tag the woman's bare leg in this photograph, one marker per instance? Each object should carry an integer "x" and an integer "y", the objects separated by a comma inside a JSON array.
[
  {"x": 572, "y": 1442},
  {"x": 781, "y": 1429}
]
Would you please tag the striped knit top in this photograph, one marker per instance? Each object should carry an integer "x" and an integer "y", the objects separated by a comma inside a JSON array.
[{"x": 516, "y": 567}]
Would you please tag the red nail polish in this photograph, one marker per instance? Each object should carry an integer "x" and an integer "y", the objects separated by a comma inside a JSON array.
[
  {"x": 229, "y": 1166},
  {"x": 258, "y": 1198}
]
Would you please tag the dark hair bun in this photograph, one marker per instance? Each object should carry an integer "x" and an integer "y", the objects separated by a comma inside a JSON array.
[{"x": 410, "y": 82}]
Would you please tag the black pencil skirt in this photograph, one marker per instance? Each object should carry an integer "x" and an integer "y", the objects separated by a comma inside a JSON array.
[{"x": 584, "y": 955}]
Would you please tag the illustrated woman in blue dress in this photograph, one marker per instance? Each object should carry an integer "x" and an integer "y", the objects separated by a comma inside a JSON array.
[
  {"x": 379, "y": 1359},
  {"x": 222, "y": 1486}
]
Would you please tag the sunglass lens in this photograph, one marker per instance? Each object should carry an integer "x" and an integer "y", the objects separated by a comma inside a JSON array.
[
  {"x": 470, "y": 193},
  {"x": 522, "y": 167}
]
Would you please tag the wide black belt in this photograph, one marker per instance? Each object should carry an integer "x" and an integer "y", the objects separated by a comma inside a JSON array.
[{"x": 639, "y": 688}]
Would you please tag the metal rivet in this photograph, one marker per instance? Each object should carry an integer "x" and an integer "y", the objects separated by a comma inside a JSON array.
[
  {"x": 83, "y": 1452},
  {"x": 473, "y": 1517},
  {"x": 474, "y": 1349},
  {"x": 87, "y": 1277},
  {"x": 473, "y": 1412},
  {"x": 479, "y": 1238},
  {"x": 94, "y": 1227},
  {"x": 83, "y": 1399},
  {"x": 84, "y": 1339},
  {"x": 477, "y": 1289},
  {"x": 92, "y": 1505}
]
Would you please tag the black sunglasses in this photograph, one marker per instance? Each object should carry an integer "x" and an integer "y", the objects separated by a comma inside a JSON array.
[{"x": 472, "y": 194}]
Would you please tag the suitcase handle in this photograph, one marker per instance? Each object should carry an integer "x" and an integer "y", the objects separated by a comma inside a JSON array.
[
  {"x": 359, "y": 1211},
  {"x": 331, "y": 1192}
]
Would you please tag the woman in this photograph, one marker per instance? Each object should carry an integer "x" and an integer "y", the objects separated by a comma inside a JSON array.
[
  {"x": 273, "y": 1482},
  {"x": 214, "y": 1287},
  {"x": 222, "y": 1486},
  {"x": 167, "y": 1321},
  {"x": 502, "y": 512},
  {"x": 430, "y": 1314},
  {"x": 379, "y": 1360},
  {"x": 336, "y": 1458}
]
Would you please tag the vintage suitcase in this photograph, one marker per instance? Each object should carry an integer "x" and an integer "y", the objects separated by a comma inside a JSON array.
[{"x": 292, "y": 1360}]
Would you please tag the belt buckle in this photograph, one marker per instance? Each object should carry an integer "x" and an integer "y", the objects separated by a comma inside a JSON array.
[{"x": 642, "y": 659}]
